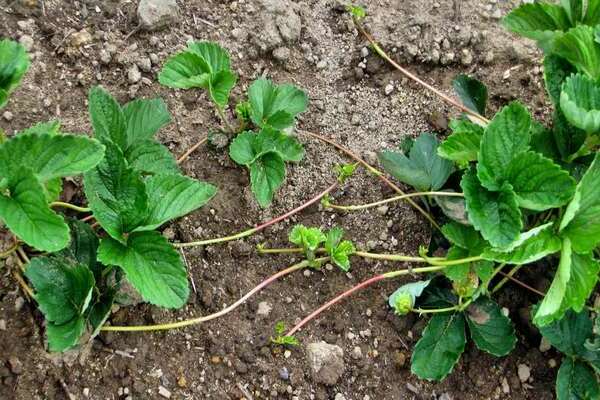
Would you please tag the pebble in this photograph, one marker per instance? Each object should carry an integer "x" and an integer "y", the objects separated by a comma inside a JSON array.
[
  {"x": 322, "y": 65},
  {"x": 157, "y": 14},
  {"x": 307, "y": 273},
  {"x": 544, "y": 345},
  {"x": 505, "y": 386},
  {"x": 382, "y": 210},
  {"x": 19, "y": 303},
  {"x": 264, "y": 309},
  {"x": 2, "y": 324},
  {"x": 281, "y": 54},
  {"x": 364, "y": 52},
  {"x": 524, "y": 372},
  {"x": 326, "y": 362},
  {"x": 133, "y": 74},
  {"x": 26, "y": 41},
  {"x": 86, "y": 392},
  {"x": 287, "y": 354},
  {"x": 284, "y": 374},
  {"x": 15, "y": 365},
  {"x": 80, "y": 38},
  {"x": 357, "y": 353},
  {"x": 8, "y": 115},
  {"x": 389, "y": 88},
  {"x": 164, "y": 392},
  {"x": 145, "y": 64},
  {"x": 340, "y": 396}
]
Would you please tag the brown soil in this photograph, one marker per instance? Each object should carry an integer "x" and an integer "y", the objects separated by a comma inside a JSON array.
[{"x": 348, "y": 104}]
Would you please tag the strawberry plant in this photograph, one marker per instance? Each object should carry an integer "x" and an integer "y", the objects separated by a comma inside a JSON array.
[
  {"x": 14, "y": 63},
  {"x": 262, "y": 142}
]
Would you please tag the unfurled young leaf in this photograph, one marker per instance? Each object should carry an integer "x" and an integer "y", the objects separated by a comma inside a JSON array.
[
  {"x": 151, "y": 265},
  {"x": 575, "y": 279},
  {"x": 580, "y": 102},
  {"x": 530, "y": 246},
  {"x": 266, "y": 176},
  {"x": 471, "y": 92},
  {"x": 462, "y": 146},
  {"x": 14, "y": 63},
  {"x": 63, "y": 291},
  {"x": 538, "y": 182},
  {"x": 505, "y": 138},
  {"x": 202, "y": 65},
  {"x": 339, "y": 251},
  {"x": 579, "y": 47},
  {"x": 581, "y": 219},
  {"x": 576, "y": 380},
  {"x": 26, "y": 213},
  {"x": 275, "y": 105},
  {"x": 495, "y": 214},
  {"x": 356, "y": 11},
  {"x": 308, "y": 238},
  {"x": 423, "y": 169},
  {"x": 344, "y": 172},
  {"x": 404, "y": 298},
  {"x": 491, "y": 331},
  {"x": 440, "y": 347}
]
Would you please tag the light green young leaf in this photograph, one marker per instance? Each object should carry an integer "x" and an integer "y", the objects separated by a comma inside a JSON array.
[
  {"x": 580, "y": 102},
  {"x": 52, "y": 189},
  {"x": 573, "y": 283},
  {"x": 505, "y": 138},
  {"x": 116, "y": 194},
  {"x": 151, "y": 157},
  {"x": 529, "y": 247},
  {"x": 578, "y": 46},
  {"x": 538, "y": 182},
  {"x": 26, "y": 213},
  {"x": 462, "y": 146},
  {"x": 576, "y": 380},
  {"x": 41, "y": 128},
  {"x": 185, "y": 70},
  {"x": 403, "y": 299},
  {"x": 219, "y": 87},
  {"x": 495, "y": 214},
  {"x": 541, "y": 22},
  {"x": 49, "y": 156},
  {"x": 440, "y": 347},
  {"x": 581, "y": 220},
  {"x": 14, "y": 63},
  {"x": 151, "y": 265},
  {"x": 308, "y": 238},
  {"x": 144, "y": 118},
  {"x": 214, "y": 55},
  {"x": 471, "y": 92},
  {"x": 266, "y": 176},
  {"x": 275, "y": 105},
  {"x": 491, "y": 331},
  {"x": 424, "y": 169},
  {"x": 339, "y": 251},
  {"x": 63, "y": 289},
  {"x": 172, "y": 196},
  {"x": 107, "y": 118},
  {"x": 334, "y": 237}
]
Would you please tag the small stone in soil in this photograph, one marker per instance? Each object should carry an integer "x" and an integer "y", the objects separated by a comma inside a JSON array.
[
  {"x": 524, "y": 372},
  {"x": 2, "y": 324},
  {"x": 326, "y": 362},
  {"x": 164, "y": 392},
  {"x": 264, "y": 309},
  {"x": 284, "y": 374},
  {"x": 16, "y": 366},
  {"x": 157, "y": 14}
]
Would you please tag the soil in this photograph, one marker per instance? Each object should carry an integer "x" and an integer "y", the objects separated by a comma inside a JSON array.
[{"x": 311, "y": 43}]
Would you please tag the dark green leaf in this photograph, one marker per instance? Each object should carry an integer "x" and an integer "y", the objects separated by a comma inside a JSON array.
[
  {"x": 152, "y": 266},
  {"x": 576, "y": 380},
  {"x": 440, "y": 348},
  {"x": 459, "y": 272},
  {"x": 172, "y": 196},
  {"x": 83, "y": 246},
  {"x": 495, "y": 214},
  {"x": 144, "y": 118},
  {"x": 14, "y": 63},
  {"x": 505, "y": 138},
  {"x": 26, "y": 213},
  {"x": 214, "y": 55},
  {"x": 275, "y": 105},
  {"x": 116, "y": 194},
  {"x": 578, "y": 46},
  {"x": 538, "y": 182},
  {"x": 220, "y": 86},
  {"x": 543, "y": 142},
  {"x": 100, "y": 310},
  {"x": 568, "y": 138},
  {"x": 454, "y": 208},
  {"x": 424, "y": 169},
  {"x": 581, "y": 219},
  {"x": 569, "y": 333},
  {"x": 556, "y": 70},
  {"x": 107, "y": 118},
  {"x": 471, "y": 92},
  {"x": 63, "y": 337},
  {"x": 491, "y": 331},
  {"x": 464, "y": 236},
  {"x": 266, "y": 175},
  {"x": 151, "y": 157}
]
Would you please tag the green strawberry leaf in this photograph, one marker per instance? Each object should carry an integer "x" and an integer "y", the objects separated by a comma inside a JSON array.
[
  {"x": 27, "y": 214},
  {"x": 42, "y": 128},
  {"x": 538, "y": 182},
  {"x": 580, "y": 103},
  {"x": 464, "y": 236},
  {"x": 576, "y": 380},
  {"x": 568, "y": 334},
  {"x": 116, "y": 194},
  {"x": 14, "y": 63},
  {"x": 424, "y": 169},
  {"x": 575, "y": 279},
  {"x": 506, "y": 136},
  {"x": 247, "y": 147},
  {"x": 216, "y": 57},
  {"x": 151, "y": 157},
  {"x": 308, "y": 238},
  {"x": 440, "y": 347},
  {"x": 275, "y": 105},
  {"x": 581, "y": 219},
  {"x": 83, "y": 247},
  {"x": 52, "y": 189},
  {"x": 49, "y": 156},
  {"x": 495, "y": 214},
  {"x": 172, "y": 196},
  {"x": 491, "y": 331},
  {"x": 244, "y": 149},
  {"x": 108, "y": 119},
  {"x": 404, "y": 298},
  {"x": 462, "y": 146},
  {"x": 556, "y": 70},
  {"x": 267, "y": 174},
  {"x": 541, "y": 22},
  {"x": 543, "y": 142},
  {"x": 568, "y": 138},
  {"x": 530, "y": 246},
  {"x": 151, "y": 265},
  {"x": 101, "y": 309},
  {"x": 219, "y": 87},
  {"x": 579, "y": 47},
  {"x": 65, "y": 336},
  {"x": 185, "y": 70},
  {"x": 459, "y": 272},
  {"x": 144, "y": 118},
  {"x": 453, "y": 207},
  {"x": 339, "y": 251},
  {"x": 471, "y": 92}
]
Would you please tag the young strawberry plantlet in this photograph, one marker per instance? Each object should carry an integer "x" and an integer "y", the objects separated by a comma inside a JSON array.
[
  {"x": 270, "y": 109},
  {"x": 281, "y": 339}
]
